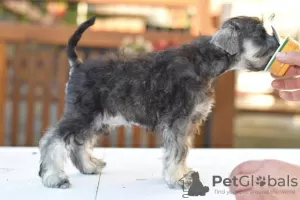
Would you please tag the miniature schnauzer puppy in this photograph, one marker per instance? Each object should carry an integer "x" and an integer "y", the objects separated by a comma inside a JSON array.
[{"x": 166, "y": 91}]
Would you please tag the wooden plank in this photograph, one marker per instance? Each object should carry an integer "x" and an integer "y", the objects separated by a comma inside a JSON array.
[
  {"x": 136, "y": 136},
  {"x": 62, "y": 78},
  {"x": 224, "y": 112},
  {"x": 20, "y": 53},
  {"x": 121, "y": 136},
  {"x": 169, "y": 3},
  {"x": 47, "y": 57},
  {"x": 59, "y": 35},
  {"x": 279, "y": 106},
  {"x": 151, "y": 139},
  {"x": 130, "y": 174},
  {"x": 31, "y": 66},
  {"x": 38, "y": 97},
  {"x": 105, "y": 141},
  {"x": 3, "y": 75},
  {"x": 134, "y": 174},
  {"x": 19, "y": 170},
  {"x": 198, "y": 140},
  {"x": 202, "y": 22}
]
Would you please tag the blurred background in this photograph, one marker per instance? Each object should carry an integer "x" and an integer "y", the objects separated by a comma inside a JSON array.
[{"x": 34, "y": 68}]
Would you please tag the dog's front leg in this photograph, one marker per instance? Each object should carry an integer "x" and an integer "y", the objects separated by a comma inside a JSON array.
[{"x": 176, "y": 144}]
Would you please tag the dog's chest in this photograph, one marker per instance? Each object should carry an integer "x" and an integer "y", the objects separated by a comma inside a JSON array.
[
  {"x": 204, "y": 104},
  {"x": 204, "y": 108},
  {"x": 117, "y": 120}
]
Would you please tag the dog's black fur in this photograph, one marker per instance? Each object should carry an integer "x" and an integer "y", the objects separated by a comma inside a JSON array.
[{"x": 165, "y": 91}]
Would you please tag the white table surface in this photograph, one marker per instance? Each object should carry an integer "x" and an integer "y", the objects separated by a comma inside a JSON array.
[{"x": 133, "y": 174}]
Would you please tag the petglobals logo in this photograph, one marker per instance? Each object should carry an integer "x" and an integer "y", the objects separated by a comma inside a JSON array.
[{"x": 267, "y": 181}]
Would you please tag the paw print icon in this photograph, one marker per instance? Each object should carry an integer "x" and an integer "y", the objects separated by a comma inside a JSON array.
[{"x": 261, "y": 181}]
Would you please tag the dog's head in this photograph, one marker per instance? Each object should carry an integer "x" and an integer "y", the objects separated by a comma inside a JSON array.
[{"x": 247, "y": 42}]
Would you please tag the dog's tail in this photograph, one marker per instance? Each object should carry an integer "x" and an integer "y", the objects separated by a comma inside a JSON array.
[{"x": 74, "y": 60}]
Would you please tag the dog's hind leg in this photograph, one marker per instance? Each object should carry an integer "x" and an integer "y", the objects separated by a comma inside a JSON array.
[
  {"x": 53, "y": 155},
  {"x": 82, "y": 155},
  {"x": 69, "y": 135},
  {"x": 176, "y": 144}
]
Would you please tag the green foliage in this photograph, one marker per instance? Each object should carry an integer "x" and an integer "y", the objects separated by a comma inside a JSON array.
[{"x": 71, "y": 15}]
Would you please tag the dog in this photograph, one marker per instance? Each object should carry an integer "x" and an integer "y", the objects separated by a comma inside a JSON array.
[{"x": 167, "y": 92}]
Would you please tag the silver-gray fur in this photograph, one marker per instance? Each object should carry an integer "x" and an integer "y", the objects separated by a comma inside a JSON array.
[{"x": 167, "y": 91}]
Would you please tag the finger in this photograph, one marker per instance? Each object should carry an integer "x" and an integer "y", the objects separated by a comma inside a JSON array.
[
  {"x": 290, "y": 57},
  {"x": 290, "y": 96},
  {"x": 286, "y": 84},
  {"x": 293, "y": 70},
  {"x": 248, "y": 167}
]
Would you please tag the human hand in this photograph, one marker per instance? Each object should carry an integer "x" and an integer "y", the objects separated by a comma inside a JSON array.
[
  {"x": 290, "y": 81},
  {"x": 287, "y": 177}
]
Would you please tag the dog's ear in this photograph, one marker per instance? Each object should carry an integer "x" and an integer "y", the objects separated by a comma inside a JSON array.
[{"x": 227, "y": 39}]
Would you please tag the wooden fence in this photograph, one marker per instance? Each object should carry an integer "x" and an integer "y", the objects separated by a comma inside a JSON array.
[{"x": 33, "y": 74}]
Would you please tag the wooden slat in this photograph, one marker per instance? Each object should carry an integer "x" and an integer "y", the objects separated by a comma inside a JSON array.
[
  {"x": 59, "y": 35},
  {"x": 202, "y": 21},
  {"x": 62, "y": 78},
  {"x": 38, "y": 97},
  {"x": 3, "y": 75},
  {"x": 151, "y": 139},
  {"x": 224, "y": 112},
  {"x": 105, "y": 141},
  {"x": 136, "y": 136},
  {"x": 204, "y": 17},
  {"x": 47, "y": 58},
  {"x": 32, "y": 61},
  {"x": 279, "y": 106},
  {"x": 17, "y": 61},
  {"x": 198, "y": 140},
  {"x": 121, "y": 136}
]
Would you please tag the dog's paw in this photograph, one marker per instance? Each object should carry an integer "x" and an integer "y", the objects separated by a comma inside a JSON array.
[
  {"x": 187, "y": 180},
  {"x": 64, "y": 184},
  {"x": 56, "y": 181},
  {"x": 94, "y": 166},
  {"x": 100, "y": 163}
]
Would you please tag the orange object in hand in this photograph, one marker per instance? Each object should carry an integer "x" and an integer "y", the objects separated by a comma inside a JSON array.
[{"x": 274, "y": 66}]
